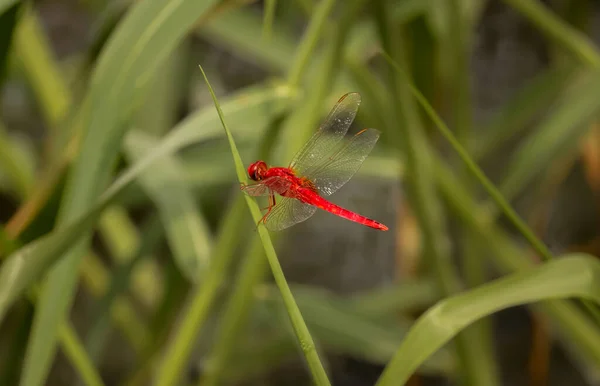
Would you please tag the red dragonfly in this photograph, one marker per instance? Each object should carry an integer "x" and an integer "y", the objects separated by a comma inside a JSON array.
[{"x": 321, "y": 167}]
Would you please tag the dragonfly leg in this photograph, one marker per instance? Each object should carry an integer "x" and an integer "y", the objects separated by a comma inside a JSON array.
[{"x": 269, "y": 208}]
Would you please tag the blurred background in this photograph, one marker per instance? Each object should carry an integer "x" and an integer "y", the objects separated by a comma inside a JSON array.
[{"x": 169, "y": 285}]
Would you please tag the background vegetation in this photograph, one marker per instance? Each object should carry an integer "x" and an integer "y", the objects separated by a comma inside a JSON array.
[{"x": 130, "y": 257}]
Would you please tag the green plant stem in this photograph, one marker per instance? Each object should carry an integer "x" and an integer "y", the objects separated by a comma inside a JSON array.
[{"x": 306, "y": 342}]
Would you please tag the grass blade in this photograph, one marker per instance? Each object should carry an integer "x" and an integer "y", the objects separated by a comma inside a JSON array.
[
  {"x": 570, "y": 276},
  {"x": 270, "y": 6},
  {"x": 472, "y": 167},
  {"x": 307, "y": 46},
  {"x": 566, "y": 36},
  {"x": 75, "y": 350},
  {"x": 557, "y": 134},
  {"x": 148, "y": 33},
  {"x": 575, "y": 326},
  {"x": 25, "y": 265},
  {"x": 302, "y": 333},
  {"x": 187, "y": 232}
]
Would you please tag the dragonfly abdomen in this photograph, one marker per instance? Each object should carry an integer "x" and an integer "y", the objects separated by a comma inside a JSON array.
[{"x": 322, "y": 203}]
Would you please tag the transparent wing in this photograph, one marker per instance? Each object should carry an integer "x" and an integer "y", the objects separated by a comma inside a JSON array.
[
  {"x": 334, "y": 171},
  {"x": 287, "y": 212},
  {"x": 331, "y": 131},
  {"x": 267, "y": 186},
  {"x": 256, "y": 190}
]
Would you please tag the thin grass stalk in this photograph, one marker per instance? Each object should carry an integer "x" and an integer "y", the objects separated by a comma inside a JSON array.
[
  {"x": 570, "y": 321},
  {"x": 68, "y": 339},
  {"x": 95, "y": 278},
  {"x": 44, "y": 75},
  {"x": 241, "y": 300},
  {"x": 303, "y": 335},
  {"x": 119, "y": 283},
  {"x": 480, "y": 364},
  {"x": 22, "y": 179},
  {"x": 239, "y": 304},
  {"x": 269, "y": 16},
  {"x": 236, "y": 314},
  {"x": 564, "y": 35},
  {"x": 309, "y": 42},
  {"x": 201, "y": 300},
  {"x": 420, "y": 187},
  {"x": 76, "y": 353},
  {"x": 472, "y": 167}
]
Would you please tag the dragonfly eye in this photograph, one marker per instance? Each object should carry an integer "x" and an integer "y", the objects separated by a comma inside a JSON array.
[{"x": 256, "y": 170}]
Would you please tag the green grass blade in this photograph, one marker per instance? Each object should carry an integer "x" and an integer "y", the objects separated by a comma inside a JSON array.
[
  {"x": 251, "y": 109},
  {"x": 575, "y": 326},
  {"x": 76, "y": 353},
  {"x": 472, "y": 167},
  {"x": 240, "y": 31},
  {"x": 202, "y": 298},
  {"x": 309, "y": 42},
  {"x": 511, "y": 118},
  {"x": 563, "y": 34},
  {"x": 270, "y": 7},
  {"x": 302, "y": 333},
  {"x": 24, "y": 266},
  {"x": 556, "y": 135},
  {"x": 6, "y": 4},
  {"x": 342, "y": 328},
  {"x": 571, "y": 276},
  {"x": 187, "y": 232},
  {"x": 45, "y": 77},
  {"x": 110, "y": 293},
  {"x": 16, "y": 165},
  {"x": 236, "y": 313},
  {"x": 407, "y": 133},
  {"x": 148, "y": 33},
  {"x": 480, "y": 363}
]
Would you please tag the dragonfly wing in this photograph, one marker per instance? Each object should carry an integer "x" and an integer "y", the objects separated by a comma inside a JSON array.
[
  {"x": 331, "y": 131},
  {"x": 287, "y": 212},
  {"x": 267, "y": 186},
  {"x": 334, "y": 171},
  {"x": 256, "y": 190}
]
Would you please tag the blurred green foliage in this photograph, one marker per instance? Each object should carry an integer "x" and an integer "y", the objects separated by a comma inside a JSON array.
[{"x": 122, "y": 219}]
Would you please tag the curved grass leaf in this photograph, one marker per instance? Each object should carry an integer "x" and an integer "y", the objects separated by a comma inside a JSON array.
[
  {"x": 565, "y": 35},
  {"x": 575, "y": 275},
  {"x": 6, "y": 4},
  {"x": 558, "y": 133},
  {"x": 512, "y": 117},
  {"x": 148, "y": 33},
  {"x": 23, "y": 267},
  {"x": 344, "y": 327},
  {"x": 302, "y": 333},
  {"x": 16, "y": 164},
  {"x": 472, "y": 167},
  {"x": 187, "y": 232},
  {"x": 575, "y": 327}
]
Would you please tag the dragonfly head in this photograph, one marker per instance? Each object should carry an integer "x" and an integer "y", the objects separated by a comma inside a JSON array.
[{"x": 257, "y": 170}]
